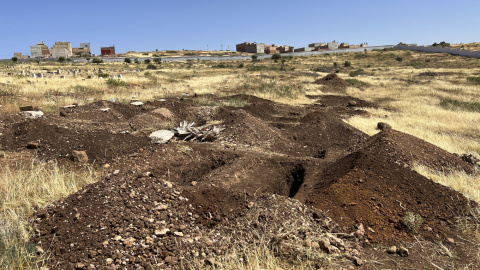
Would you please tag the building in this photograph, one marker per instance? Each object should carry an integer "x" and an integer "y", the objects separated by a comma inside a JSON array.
[
  {"x": 107, "y": 50},
  {"x": 61, "y": 49},
  {"x": 40, "y": 50},
  {"x": 364, "y": 44},
  {"x": 83, "y": 50},
  {"x": 332, "y": 45},
  {"x": 19, "y": 55},
  {"x": 251, "y": 47},
  {"x": 344, "y": 46},
  {"x": 285, "y": 49}
]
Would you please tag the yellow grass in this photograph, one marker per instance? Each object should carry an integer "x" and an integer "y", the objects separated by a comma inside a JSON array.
[{"x": 26, "y": 185}]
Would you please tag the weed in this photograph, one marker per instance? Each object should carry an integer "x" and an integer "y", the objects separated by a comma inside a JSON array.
[
  {"x": 451, "y": 104},
  {"x": 399, "y": 59},
  {"x": 151, "y": 66},
  {"x": 412, "y": 222},
  {"x": 114, "y": 82},
  {"x": 356, "y": 73},
  {"x": 355, "y": 82},
  {"x": 415, "y": 64},
  {"x": 474, "y": 80},
  {"x": 347, "y": 64}
]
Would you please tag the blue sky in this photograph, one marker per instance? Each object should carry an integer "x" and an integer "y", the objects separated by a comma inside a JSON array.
[{"x": 146, "y": 25}]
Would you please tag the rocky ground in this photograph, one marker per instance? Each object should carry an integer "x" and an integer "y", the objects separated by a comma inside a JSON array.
[{"x": 297, "y": 179}]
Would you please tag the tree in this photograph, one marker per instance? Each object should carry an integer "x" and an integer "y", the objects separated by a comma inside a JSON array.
[
  {"x": 128, "y": 60},
  {"x": 276, "y": 57},
  {"x": 254, "y": 58},
  {"x": 14, "y": 59},
  {"x": 136, "y": 61},
  {"x": 146, "y": 61},
  {"x": 97, "y": 60},
  {"x": 157, "y": 60},
  {"x": 347, "y": 64},
  {"x": 61, "y": 59},
  {"x": 87, "y": 58}
]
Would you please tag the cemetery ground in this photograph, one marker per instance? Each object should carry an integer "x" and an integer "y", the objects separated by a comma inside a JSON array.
[{"x": 299, "y": 175}]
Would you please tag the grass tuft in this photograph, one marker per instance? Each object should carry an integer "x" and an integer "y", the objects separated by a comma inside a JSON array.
[{"x": 451, "y": 104}]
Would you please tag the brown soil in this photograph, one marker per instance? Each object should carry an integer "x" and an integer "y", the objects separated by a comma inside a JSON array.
[
  {"x": 290, "y": 176},
  {"x": 333, "y": 83}
]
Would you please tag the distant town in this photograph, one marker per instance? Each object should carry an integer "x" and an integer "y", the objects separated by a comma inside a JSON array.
[{"x": 65, "y": 49}]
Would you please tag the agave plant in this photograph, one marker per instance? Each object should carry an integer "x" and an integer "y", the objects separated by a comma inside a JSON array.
[{"x": 187, "y": 131}]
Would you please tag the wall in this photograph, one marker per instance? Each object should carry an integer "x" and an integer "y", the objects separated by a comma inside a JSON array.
[{"x": 438, "y": 50}]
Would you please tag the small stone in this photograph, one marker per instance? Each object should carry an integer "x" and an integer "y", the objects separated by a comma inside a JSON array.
[
  {"x": 194, "y": 183},
  {"x": 136, "y": 103},
  {"x": 149, "y": 240},
  {"x": 161, "y": 207},
  {"x": 129, "y": 242},
  {"x": 117, "y": 238},
  {"x": 450, "y": 240},
  {"x": 39, "y": 249},
  {"x": 383, "y": 126},
  {"x": 32, "y": 145},
  {"x": 32, "y": 114},
  {"x": 79, "y": 156},
  {"x": 79, "y": 265},
  {"x": 358, "y": 261},
  {"x": 168, "y": 184},
  {"x": 360, "y": 230},
  {"x": 161, "y": 136},
  {"x": 179, "y": 234},
  {"x": 403, "y": 252},
  {"x": 250, "y": 205},
  {"x": 109, "y": 261},
  {"x": 171, "y": 260},
  {"x": 26, "y": 108},
  {"x": 106, "y": 166},
  {"x": 392, "y": 250},
  {"x": 162, "y": 231},
  {"x": 352, "y": 103},
  {"x": 325, "y": 246},
  {"x": 182, "y": 227}
]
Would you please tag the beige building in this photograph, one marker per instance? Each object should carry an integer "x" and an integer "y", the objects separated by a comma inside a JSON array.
[
  {"x": 40, "y": 50},
  {"x": 61, "y": 49}
]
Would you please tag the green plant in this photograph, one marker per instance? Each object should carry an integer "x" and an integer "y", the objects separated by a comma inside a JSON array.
[
  {"x": 147, "y": 61},
  {"x": 356, "y": 73},
  {"x": 97, "y": 60},
  {"x": 14, "y": 59},
  {"x": 399, "y": 59},
  {"x": 128, "y": 60},
  {"x": 87, "y": 58},
  {"x": 157, "y": 60},
  {"x": 276, "y": 57},
  {"x": 241, "y": 65},
  {"x": 151, "y": 66},
  {"x": 254, "y": 58},
  {"x": 451, "y": 104},
  {"x": 171, "y": 51},
  {"x": 114, "y": 82},
  {"x": 136, "y": 61},
  {"x": 347, "y": 64},
  {"x": 61, "y": 59},
  {"x": 103, "y": 75},
  {"x": 412, "y": 222},
  {"x": 355, "y": 82},
  {"x": 474, "y": 80}
]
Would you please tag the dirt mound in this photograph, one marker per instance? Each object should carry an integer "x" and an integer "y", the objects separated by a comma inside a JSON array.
[
  {"x": 333, "y": 83},
  {"x": 245, "y": 129},
  {"x": 365, "y": 188},
  {"x": 138, "y": 221},
  {"x": 58, "y": 142},
  {"x": 165, "y": 205},
  {"x": 404, "y": 149}
]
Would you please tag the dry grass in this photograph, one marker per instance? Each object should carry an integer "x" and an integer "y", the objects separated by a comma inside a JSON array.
[{"x": 26, "y": 185}]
